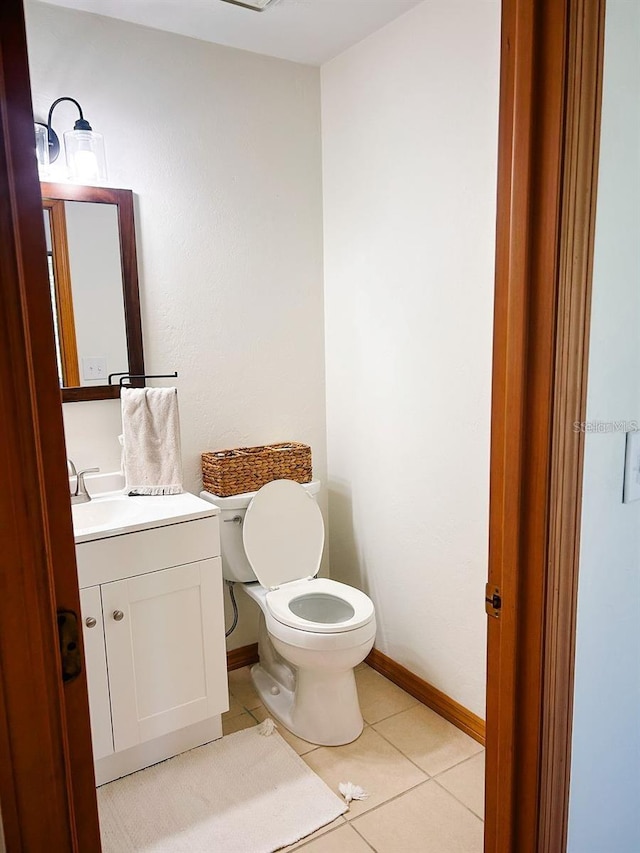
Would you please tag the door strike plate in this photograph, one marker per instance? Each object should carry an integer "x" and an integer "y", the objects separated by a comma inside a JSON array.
[{"x": 492, "y": 601}]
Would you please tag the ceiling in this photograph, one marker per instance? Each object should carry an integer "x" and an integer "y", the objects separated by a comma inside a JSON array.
[{"x": 307, "y": 31}]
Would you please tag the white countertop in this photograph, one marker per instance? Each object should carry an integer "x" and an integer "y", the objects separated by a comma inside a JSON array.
[{"x": 115, "y": 514}]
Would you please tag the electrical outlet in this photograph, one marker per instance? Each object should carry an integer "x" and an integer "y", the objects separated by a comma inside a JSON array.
[{"x": 94, "y": 367}]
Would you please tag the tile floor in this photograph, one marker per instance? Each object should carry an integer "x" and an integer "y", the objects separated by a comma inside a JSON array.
[{"x": 424, "y": 777}]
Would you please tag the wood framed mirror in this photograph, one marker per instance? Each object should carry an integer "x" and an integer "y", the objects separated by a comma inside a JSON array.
[{"x": 91, "y": 249}]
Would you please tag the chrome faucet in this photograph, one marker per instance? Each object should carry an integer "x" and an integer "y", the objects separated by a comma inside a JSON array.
[{"x": 80, "y": 495}]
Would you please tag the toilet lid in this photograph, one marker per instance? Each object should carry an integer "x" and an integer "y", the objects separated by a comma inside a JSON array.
[{"x": 283, "y": 534}]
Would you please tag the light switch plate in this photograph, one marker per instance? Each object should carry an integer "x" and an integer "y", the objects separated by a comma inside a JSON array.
[{"x": 632, "y": 467}]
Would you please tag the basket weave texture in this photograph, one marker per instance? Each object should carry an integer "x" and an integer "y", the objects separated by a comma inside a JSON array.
[{"x": 246, "y": 469}]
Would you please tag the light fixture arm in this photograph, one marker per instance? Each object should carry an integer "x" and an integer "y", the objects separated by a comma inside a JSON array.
[
  {"x": 84, "y": 123},
  {"x": 83, "y": 147},
  {"x": 54, "y": 142}
]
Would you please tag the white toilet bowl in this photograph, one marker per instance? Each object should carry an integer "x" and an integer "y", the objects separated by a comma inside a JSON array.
[
  {"x": 305, "y": 676},
  {"x": 313, "y": 631}
]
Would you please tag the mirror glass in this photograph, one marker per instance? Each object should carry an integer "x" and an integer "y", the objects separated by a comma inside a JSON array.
[
  {"x": 94, "y": 288},
  {"x": 89, "y": 309}
]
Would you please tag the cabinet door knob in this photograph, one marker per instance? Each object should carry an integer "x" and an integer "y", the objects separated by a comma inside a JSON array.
[
  {"x": 90, "y": 622},
  {"x": 118, "y": 615}
]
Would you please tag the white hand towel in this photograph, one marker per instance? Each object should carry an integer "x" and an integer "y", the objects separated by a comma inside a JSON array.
[{"x": 151, "y": 428}]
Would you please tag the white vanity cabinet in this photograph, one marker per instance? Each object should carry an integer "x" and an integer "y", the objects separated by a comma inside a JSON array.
[
  {"x": 153, "y": 627},
  {"x": 97, "y": 679}
]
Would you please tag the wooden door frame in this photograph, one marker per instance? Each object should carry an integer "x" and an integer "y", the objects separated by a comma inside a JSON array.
[
  {"x": 551, "y": 77},
  {"x": 548, "y": 152},
  {"x": 47, "y": 788},
  {"x": 63, "y": 307}
]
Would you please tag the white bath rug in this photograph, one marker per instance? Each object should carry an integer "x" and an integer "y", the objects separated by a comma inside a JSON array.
[{"x": 245, "y": 793}]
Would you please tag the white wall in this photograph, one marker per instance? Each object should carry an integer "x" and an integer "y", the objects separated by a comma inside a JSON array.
[
  {"x": 409, "y": 121},
  {"x": 604, "y": 812},
  {"x": 222, "y": 150}
]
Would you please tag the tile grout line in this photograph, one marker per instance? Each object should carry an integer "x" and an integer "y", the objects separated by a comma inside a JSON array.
[
  {"x": 301, "y": 844},
  {"x": 416, "y": 703},
  {"x": 384, "y": 802},
  {"x": 329, "y": 832},
  {"x": 457, "y": 799},
  {"x": 464, "y": 761},
  {"x": 419, "y": 704},
  {"x": 395, "y": 714},
  {"x": 252, "y": 714},
  {"x": 397, "y": 749},
  {"x": 434, "y": 778},
  {"x": 390, "y": 800},
  {"x": 357, "y": 831},
  {"x": 430, "y": 776}
]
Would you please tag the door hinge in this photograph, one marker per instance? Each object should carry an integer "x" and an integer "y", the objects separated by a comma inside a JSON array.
[
  {"x": 69, "y": 646},
  {"x": 492, "y": 600}
]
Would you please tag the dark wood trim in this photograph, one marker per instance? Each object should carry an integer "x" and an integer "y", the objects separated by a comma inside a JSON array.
[
  {"x": 244, "y": 656},
  {"x": 546, "y": 186},
  {"x": 82, "y": 192},
  {"x": 444, "y": 705},
  {"x": 132, "y": 316},
  {"x": 534, "y": 39},
  {"x": 47, "y": 788},
  {"x": 63, "y": 307},
  {"x": 123, "y": 200},
  {"x": 581, "y": 155},
  {"x": 90, "y": 392}
]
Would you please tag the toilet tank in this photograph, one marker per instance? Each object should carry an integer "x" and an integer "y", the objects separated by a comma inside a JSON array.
[{"x": 235, "y": 566}]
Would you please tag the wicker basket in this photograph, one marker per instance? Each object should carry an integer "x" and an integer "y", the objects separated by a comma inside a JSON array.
[{"x": 246, "y": 469}]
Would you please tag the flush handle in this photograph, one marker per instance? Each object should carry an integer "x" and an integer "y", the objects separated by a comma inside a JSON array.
[{"x": 237, "y": 519}]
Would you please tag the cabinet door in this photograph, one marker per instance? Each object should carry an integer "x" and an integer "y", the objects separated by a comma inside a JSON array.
[
  {"x": 96, "y": 664},
  {"x": 165, "y": 649}
]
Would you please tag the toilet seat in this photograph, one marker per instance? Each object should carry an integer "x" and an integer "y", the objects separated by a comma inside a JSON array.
[
  {"x": 283, "y": 536},
  {"x": 320, "y": 605}
]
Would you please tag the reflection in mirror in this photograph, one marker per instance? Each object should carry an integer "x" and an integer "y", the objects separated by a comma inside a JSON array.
[
  {"x": 94, "y": 287},
  {"x": 61, "y": 298},
  {"x": 86, "y": 289}
]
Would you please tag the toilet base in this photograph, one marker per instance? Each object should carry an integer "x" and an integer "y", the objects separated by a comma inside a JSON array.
[{"x": 323, "y": 707}]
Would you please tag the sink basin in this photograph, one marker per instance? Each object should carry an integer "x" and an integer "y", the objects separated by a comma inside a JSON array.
[{"x": 116, "y": 513}]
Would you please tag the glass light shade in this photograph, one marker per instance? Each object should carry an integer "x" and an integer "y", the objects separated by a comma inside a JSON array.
[
  {"x": 84, "y": 150},
  {"x": 42, "y": 149}
]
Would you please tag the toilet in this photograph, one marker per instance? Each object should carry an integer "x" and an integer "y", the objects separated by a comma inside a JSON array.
[{"x": 313, "y": 631}]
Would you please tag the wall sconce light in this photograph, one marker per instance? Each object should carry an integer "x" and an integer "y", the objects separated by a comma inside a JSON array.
[{"x": 84, "y": 148}]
